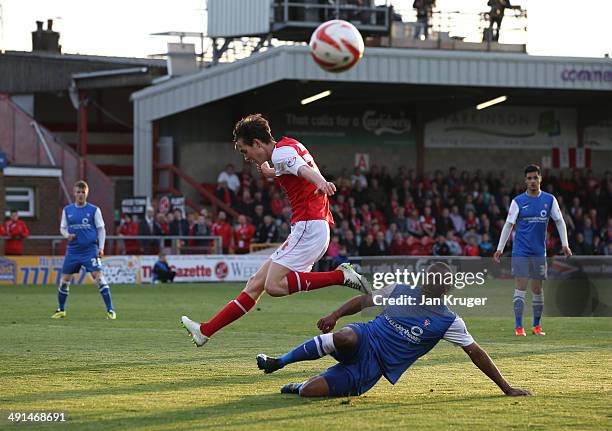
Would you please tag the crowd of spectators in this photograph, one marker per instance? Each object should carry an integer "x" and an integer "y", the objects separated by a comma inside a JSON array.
[
  {"x": 378, "y": 213},
  {"x": 456, "y": 213}
]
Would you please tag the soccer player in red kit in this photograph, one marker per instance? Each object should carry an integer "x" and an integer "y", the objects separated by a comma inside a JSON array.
[{"x": 287, "y": 271}]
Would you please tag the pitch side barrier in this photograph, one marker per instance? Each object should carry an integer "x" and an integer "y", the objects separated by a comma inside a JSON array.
[
  {"x": 576, "y": 286},
  {"x": 132, "y": 269},
  {"x": 55, "y": 245}
]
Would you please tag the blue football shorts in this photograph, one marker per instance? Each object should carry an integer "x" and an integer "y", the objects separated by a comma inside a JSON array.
[
  {"x": 532, "y": 267},
  {"x": 356, "y": 372},
  {"x": 74, "y": 261}
]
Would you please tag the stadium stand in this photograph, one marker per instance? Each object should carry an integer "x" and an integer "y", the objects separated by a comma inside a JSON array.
[{"x": 464, "y": 210}]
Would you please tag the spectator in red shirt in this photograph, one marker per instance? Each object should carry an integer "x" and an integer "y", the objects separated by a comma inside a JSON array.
[
  {"x": 223, "y": 229},
  {"x": 471, "y": 248},
  {"x": 129, "y": 227},
  {"x": 243, "y": 235},
  {"x": 428, "y": 223},
  {"x": 409, "y": 205},
  {"x": 17, "y": 230},
  {"x": 471, "y": 222},
  {"x": 398, "y": 246},
  {"x": 355, "y": 220},
  {"x": 2, "y": 231},
  {"x": 366, "y": 214}
]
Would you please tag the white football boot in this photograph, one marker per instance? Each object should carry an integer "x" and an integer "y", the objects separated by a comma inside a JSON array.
[
  {"x": 354, "y": 280},
  {"x": 193, "y": 328}
]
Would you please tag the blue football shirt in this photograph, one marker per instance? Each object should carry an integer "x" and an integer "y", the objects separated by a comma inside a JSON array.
[
  {"x": 530, "y": 215},
  {"x": 403, "y": 333},
  {"x": 83, "y": 222}
]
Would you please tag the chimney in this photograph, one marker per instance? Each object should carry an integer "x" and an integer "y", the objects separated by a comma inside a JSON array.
[
  {"x": 45, "y": 40},
  {"x": 181, "y": 59}
]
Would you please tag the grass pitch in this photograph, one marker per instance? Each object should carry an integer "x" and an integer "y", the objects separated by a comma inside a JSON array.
[{"x": 141, "y": 371}]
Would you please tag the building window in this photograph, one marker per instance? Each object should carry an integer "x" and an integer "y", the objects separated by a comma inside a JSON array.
[{"x": 20, "y": 199}]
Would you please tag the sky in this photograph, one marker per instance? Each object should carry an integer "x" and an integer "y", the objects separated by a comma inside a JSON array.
[{"x": 123, "y": 27}]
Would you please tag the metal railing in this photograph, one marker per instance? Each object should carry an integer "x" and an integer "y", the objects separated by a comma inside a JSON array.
[
  {"x": 469, "y": 26},
  {"x": 55, "y": 245},
  {"x": 312, "y": 13}
]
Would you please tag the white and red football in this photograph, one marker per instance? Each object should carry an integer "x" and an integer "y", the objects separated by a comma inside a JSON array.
[{"x": 336, "y": 46}]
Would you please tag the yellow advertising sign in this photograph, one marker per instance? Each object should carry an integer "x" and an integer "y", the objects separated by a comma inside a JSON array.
[{"x": 36, "y": 270}]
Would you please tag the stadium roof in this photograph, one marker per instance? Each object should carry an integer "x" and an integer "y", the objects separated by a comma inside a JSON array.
[
  {"x": 24, "y": 72},
  {"x": 379, "y": 66}
]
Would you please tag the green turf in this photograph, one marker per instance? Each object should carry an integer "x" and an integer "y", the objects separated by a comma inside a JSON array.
[{"x": 141, "y": 371}]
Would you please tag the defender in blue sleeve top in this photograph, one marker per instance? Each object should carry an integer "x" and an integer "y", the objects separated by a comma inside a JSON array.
[
  {"x": 529, "y": 212},
  {"x": 82, "y": 225},
  {"x": 410, "y": 326}
]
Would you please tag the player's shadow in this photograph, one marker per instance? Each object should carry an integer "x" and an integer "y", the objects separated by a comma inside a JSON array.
[
  {"x": 279, "y": 408},
  {"x": 148, "y": 387}
]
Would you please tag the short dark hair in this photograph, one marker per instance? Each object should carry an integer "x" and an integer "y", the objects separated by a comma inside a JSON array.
[
  {"x": 436, "y": 285},
  {"x": 81, "y": 185},
  {"x": 532, "y": 168},
  {"x": 251, "y": 127},
  {"x": 13, "y": 211}
]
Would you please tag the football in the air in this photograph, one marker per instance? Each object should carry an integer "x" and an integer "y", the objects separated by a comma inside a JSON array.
[{"x": 336, "y": 45}]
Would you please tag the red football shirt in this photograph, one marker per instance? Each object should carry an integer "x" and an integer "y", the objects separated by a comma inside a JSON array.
[{"x": 288, "y": 155}]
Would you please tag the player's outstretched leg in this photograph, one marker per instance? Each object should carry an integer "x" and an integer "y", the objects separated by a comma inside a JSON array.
[
  {"x": 62, "y": 295},
  {"x": 537, "y": 301},
  {"x": 333, "y": 382},
  {"x": 104, "y": 289},
  {"x": 234, "y": 310},
  {"x": 343, "y": 275},
  {"x": 315, "y": 348}
]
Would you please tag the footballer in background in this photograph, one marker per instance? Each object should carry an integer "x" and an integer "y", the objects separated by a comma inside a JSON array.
[
  {"x": 530, "y": 212},
  {"x": 82, "y": 225}
]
